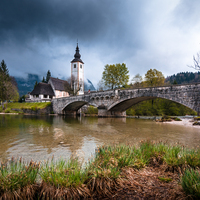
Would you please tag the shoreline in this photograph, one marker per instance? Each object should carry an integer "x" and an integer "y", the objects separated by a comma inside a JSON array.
[{"x": 187, "y": 122}]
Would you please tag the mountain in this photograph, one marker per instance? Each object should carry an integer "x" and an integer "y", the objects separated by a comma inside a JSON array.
[
  {"x": 89, "y": 86},
  {"x": 184, "y": 78},
  {"x": 26, "y": 85}
]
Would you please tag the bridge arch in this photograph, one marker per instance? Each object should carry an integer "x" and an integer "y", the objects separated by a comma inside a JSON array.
[{"x": 123, "y": 104}]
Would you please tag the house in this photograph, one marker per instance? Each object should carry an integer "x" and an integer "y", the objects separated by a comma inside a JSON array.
[{"x": 41, "y": 93}]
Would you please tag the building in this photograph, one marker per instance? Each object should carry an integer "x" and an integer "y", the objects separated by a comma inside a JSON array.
[
  {"x": 55, "y": 88},
  {"x": 77, "y": 73},
  {"x": 41, "y": 93}
]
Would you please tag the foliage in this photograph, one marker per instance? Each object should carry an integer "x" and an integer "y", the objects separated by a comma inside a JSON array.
[
  {"x": 159, "y": 108},
  {"x": 154, "y": 77},
  {"x": 8, "y": 110},
  {"x": 8, "y": 90},
  {"x": 92, "y": 110},
  {"x": 184, "y": 78},
  {"x": 115, "y": 76},
  {"x": 190, "y": 182},
  {"x": 48, "y": 76}
]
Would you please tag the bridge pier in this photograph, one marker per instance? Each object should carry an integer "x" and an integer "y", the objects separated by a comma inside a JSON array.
[{"x": 103, "y": 112}]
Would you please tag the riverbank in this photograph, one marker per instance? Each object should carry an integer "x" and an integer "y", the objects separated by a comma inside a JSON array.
[
  {"x": 185, "y": 122},
  {"x": 150, "y": 171}
]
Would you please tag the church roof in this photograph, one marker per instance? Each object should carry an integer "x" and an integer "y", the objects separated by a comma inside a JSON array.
[
  {"x": 77, "y": 56},
  {"x": 57, "y": 84},
  {"x": 43, "y": 88}
]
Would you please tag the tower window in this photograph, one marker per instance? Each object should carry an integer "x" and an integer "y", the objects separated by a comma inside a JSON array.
[
  {"x": 74, "y": 65},
  {"x": 81, "y": 66}
]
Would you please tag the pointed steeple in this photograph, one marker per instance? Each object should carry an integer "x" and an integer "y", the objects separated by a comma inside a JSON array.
[{"x": 77, "y": 56}]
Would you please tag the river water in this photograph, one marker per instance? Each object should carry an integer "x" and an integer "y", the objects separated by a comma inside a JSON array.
[{"x": 41, "y": 137}]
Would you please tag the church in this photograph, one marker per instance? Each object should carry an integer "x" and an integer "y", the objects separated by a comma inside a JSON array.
[{"x": 55, "y": 88}]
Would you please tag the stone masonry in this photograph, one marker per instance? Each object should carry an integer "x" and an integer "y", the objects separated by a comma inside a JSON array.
[{"x": 114, "y": 103}]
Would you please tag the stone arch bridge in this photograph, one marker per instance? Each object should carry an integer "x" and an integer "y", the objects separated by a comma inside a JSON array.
[{"x": 114, "y": 103}]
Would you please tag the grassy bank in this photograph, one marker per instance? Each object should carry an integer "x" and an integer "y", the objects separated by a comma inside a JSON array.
[
  {"x": 113, "y": 171},
  {"x": 18, "y": 107}
]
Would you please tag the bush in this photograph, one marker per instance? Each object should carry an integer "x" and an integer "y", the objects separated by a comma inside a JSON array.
[
  {"x": 8, "y": 110},
  {"x": 92, "y": 110},
  {"x": 1, "y": 109}
]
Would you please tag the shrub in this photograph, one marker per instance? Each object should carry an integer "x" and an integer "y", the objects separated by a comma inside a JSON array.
[
  {"x": 8, "y": 110},
  {"x": 1, "y": 109}
]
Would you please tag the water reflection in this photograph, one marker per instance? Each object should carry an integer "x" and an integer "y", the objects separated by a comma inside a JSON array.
[{"x": 41, "y": 137}]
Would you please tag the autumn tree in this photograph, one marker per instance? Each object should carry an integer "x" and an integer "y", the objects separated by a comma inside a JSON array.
[
  {"x": 154, "y": 77},
  {"x": 115, "y": 76}
]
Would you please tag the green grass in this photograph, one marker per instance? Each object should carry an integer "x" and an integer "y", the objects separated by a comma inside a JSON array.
[
  {"x": 68, "y": 179},
  {"x": 16, "y": 175},
  {"x": 63, "y": 174},
  {"x": 32, "y": 106},
  {"x": 190, "y": 182}
]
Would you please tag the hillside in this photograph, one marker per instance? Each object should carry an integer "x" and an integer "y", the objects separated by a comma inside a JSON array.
[{"x": 184, "y": 77}]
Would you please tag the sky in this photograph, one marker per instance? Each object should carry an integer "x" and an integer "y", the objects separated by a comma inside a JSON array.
[{"x": 37, "y": 36}]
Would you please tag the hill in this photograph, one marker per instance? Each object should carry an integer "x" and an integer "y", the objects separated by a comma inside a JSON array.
[{"x": 183, "y": 78}]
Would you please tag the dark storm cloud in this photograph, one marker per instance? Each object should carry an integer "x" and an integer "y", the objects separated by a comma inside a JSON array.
[{"x": 24, "y": 20}]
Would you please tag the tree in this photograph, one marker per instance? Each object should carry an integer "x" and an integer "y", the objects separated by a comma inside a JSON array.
[
  {"x": 8, "y": 88},
  {"x": 71, "y": 86},
  {"x": 43, "y": 80},
  {"x": 137, "y": 79},
  {"x": 48, "y": 76},
  {"x": 196, "y": 61},
  {"x": 154, "y": 77},
  {"x": 36, "y": 83},
  {"x": 115, "y": 76}
]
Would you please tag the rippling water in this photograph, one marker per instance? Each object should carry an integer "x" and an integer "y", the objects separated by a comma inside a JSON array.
[{"x": 41, "y": 137}]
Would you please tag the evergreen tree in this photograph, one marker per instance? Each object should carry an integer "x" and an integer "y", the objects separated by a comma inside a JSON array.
[
  {"x": 35, "y": 84},
  {"x": 48, "y": 76},
  {"x": 43, "y": 80}
]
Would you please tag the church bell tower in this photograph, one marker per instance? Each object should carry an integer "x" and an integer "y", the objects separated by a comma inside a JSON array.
[{"x": 77, "y": 73}]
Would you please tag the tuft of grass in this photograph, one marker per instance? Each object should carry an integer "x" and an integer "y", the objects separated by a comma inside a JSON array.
[
  {"x": 17, "y": 179},
  {"x": 190, "y": 182},
  {"x": 164, "y": 179},
  {"x": 66, "y": 179}
]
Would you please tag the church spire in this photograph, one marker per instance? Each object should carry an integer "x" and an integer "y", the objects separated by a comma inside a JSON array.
[{"x": 77, "y": 56}]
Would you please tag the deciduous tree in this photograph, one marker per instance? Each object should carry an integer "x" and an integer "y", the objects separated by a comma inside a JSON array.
[
  {"x": 196, "y": 60},
  {"x": 154, "y": 77},
  {"x": 137, "y": 79},
  {"x": 115, "y": 76}
]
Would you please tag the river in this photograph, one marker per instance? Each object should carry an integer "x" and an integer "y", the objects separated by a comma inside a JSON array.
[{"x": 41, "y": 137}]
